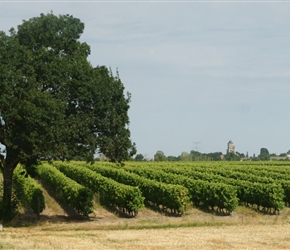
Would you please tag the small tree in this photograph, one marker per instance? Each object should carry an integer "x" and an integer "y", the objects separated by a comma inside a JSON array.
[
  {"x": 139, "y": 157},
  {"x": 264, "y": 154},
  {"x": 159, "y": 156},
  {"x": 185, "y": 156},
  {"x": 196, "y": 156},
  {"x": 231, "y": 156},
  {"x": 172, "y": 158}
]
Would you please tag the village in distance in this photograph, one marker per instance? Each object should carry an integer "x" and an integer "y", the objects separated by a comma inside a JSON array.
[{"x": 231, "y": 155}]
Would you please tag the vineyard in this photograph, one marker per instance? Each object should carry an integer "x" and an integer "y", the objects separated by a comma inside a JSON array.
[{"x": 171, "y": 188}]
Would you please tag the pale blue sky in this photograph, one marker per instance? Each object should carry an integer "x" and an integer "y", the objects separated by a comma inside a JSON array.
[{"x": 205, "y": 72}]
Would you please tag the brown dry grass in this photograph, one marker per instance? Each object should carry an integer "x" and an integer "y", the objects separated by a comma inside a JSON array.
[
  {"x": 244, "y": 229},
  {"x": 221, "y": 237}
]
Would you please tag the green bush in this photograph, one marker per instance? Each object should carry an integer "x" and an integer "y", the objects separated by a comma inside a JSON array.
[
  {"x": 28, "y": 190},
  {"x": 76, "y": 195},
  {"x": 202, "y": 192},
  {"x": 124, "y": 197},
  {"x": 168, "y": 196},
  {"x": 264, "y": 195}
]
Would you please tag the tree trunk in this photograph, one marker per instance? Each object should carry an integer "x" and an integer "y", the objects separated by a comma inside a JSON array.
[{"x": 8, "y": 210}]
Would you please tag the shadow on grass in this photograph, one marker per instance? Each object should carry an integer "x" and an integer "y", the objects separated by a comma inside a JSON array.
[
  {"x": 161, "y": 210},
  {"x": 262, "y": 210},
  {"x": 122, "y": 213},
  {"x": 69, "y": 210},
  {"x": 213, "y": 211},
  {"x": 28, "y": 219}
]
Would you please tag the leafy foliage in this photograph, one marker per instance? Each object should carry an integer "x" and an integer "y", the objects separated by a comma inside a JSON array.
[
  {"x": 73, "y": 193},
  {"x": 119, "y": 195},
  {"x": 169, "y": 196},
  {"x": 159, "y": 156},
  {"x": 202, "y": 192},
  {"x": 271, "y": 195},
  {"x": 28, "y": 191},
  {"x": 264, "y": 154}
]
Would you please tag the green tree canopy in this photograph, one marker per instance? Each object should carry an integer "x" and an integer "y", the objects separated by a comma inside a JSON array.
[
  {"x": 53, "y": 103},
  {"x": 159, "y": 156},
  {"x": 172, "y": 158},
  {"x": 139, "y": 157},
  {"x": 264, "y": 154},
  {"x": 184, "y": 156},
  {"x": 231, "y": 156}
]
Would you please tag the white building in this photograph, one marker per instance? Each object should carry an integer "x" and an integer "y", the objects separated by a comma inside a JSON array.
[{"x": 231, "y": 147}]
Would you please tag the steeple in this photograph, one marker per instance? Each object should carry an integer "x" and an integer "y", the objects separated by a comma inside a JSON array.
[{"x": 231, "y": 147}]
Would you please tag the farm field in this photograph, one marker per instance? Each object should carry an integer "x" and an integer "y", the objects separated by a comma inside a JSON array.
[
  {"x": 174, "y": 187},
  {"x": 243, "y": 237},
  {"x": 190, "y": 223}
]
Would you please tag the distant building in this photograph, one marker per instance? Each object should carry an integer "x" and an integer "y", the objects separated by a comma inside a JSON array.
[
  {"x": 279, "y": 158},
  {"x": 231, "y": 147}
]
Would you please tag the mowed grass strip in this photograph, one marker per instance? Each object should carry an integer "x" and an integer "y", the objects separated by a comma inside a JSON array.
[{"x": 225, "y": 237}]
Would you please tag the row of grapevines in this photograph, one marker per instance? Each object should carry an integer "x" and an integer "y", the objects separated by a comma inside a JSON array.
[
  {"x": 269, "y": 172},
  {"x": 252, "y": 175},
  {"x": 219, "y": 195},
  {"x": 257, "y": 177},
  {"x": 264, "y": 173},
  {"x": 269, "y": 196},
  {"x": 278, "y": 175},
  {"x": 124, "y": 197},
  {"x": 253, "y": 172},
  {"x": 168, "y": 196},
  {"x": 257, "y": 171},
  {"x": 28, "y": 190},
  {"x": 76, "y": 195},
  {"x": 234, "y": 174}
]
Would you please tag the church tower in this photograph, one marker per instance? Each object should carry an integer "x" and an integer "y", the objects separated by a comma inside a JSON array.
[{"x": 231, "y": 147}]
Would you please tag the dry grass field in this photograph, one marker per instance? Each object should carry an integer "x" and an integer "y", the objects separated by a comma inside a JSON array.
[
  {"x": 244, "y": 229},
  {"x": 224, "y": 237}
]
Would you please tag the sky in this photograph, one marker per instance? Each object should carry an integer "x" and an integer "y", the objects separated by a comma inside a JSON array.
[{"x": 200, "y": 73}]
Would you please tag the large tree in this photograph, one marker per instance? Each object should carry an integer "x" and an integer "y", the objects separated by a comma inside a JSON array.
[{"x": 53, "y": 103}]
